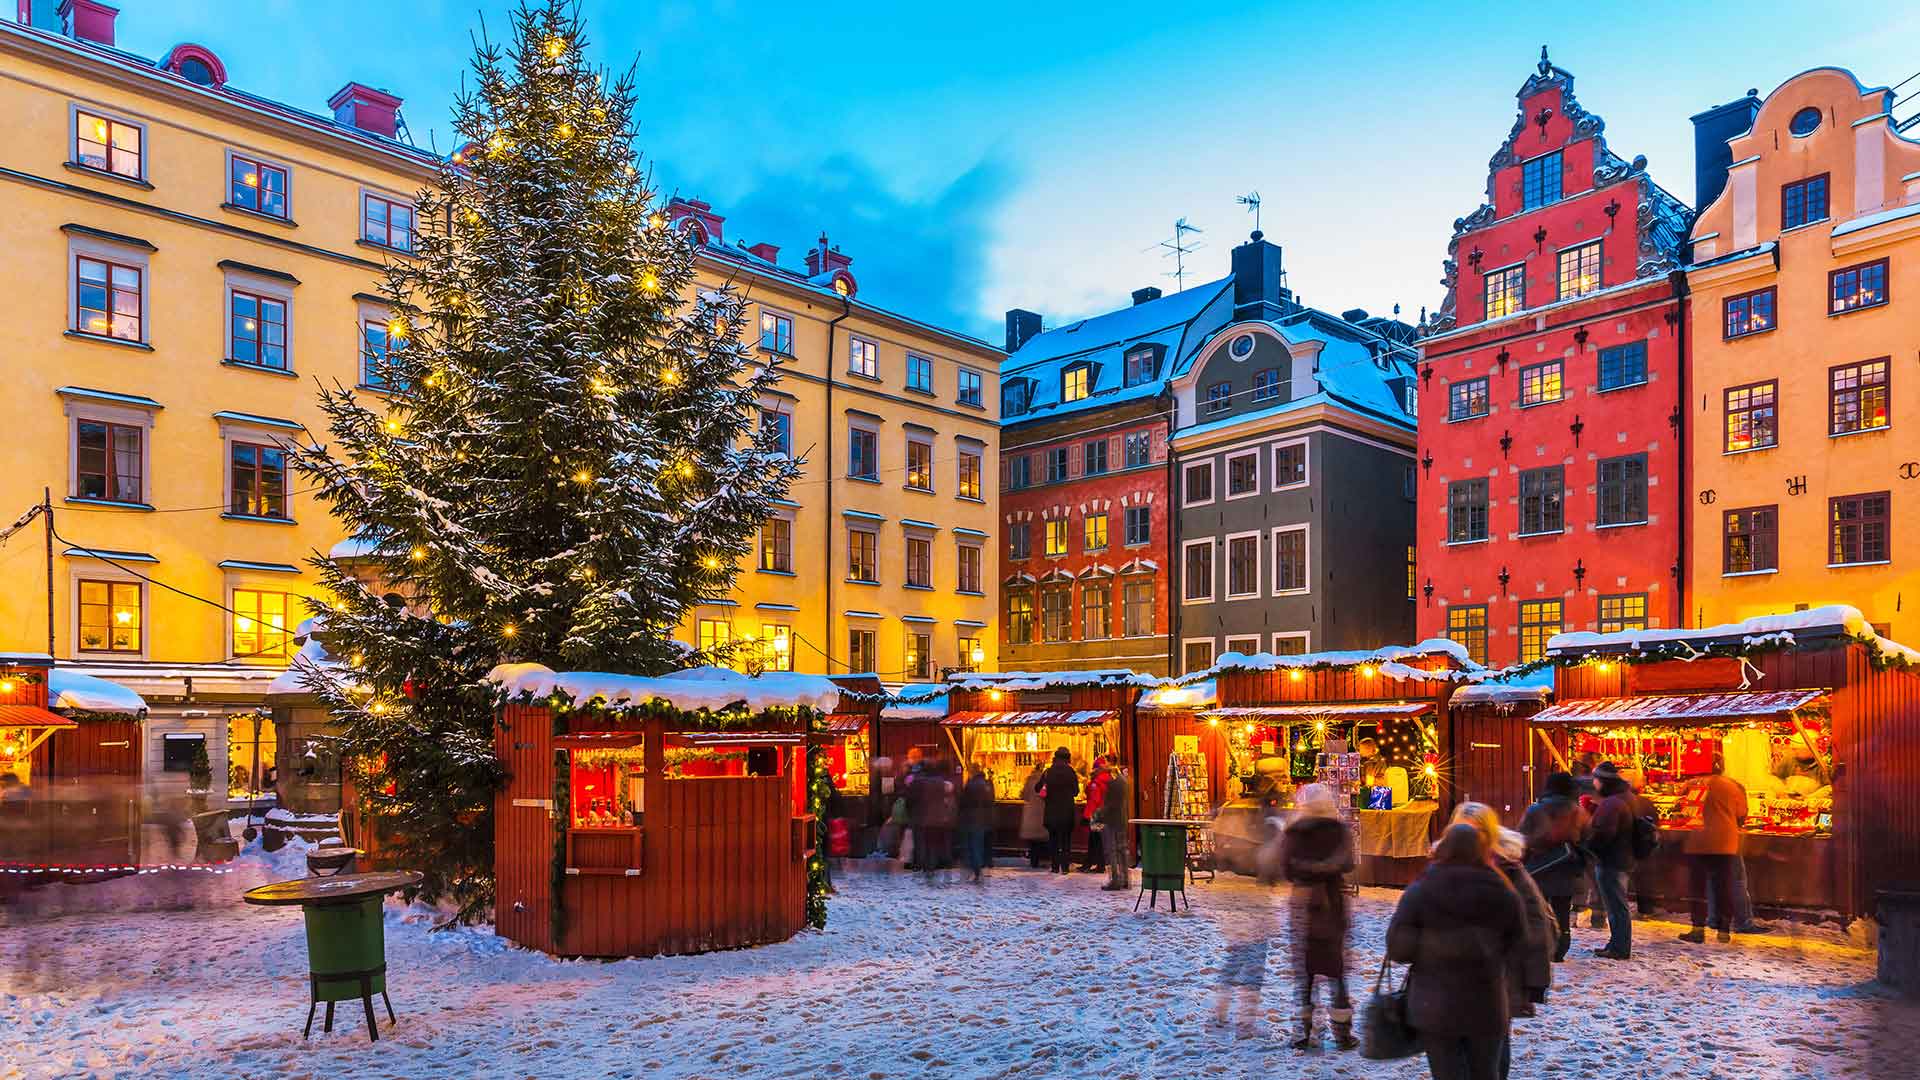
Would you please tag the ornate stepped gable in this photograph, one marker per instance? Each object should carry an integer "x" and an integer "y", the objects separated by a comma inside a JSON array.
[{"x": 1662, "y": 221}]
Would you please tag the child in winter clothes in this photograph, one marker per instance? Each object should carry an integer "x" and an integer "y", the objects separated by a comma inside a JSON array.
[{"x": 1316, "y": 856}]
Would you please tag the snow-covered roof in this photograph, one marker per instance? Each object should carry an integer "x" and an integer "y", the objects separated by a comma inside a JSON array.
[
  {"x": 311, "y": 657},
  {"x": 1198, "y": 695},
  {"x": 709, "y": 688},
  {"x": 1050, "y": 680},
  {"x": 1390, "y": 659},
  {"x": 1505, "y": 686},
  {"x": 88, "y": 693},
  {"x": 1355, "y": 366},
  {"x": 1175, "y": 323},
  {"x": 916, "y": 701},
  {"x": 1832, "y": 621}
]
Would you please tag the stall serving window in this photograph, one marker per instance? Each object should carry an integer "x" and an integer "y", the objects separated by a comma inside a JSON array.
[
  {"x": 848, "y": 755},
  {"x": 1009, "y": 745}
]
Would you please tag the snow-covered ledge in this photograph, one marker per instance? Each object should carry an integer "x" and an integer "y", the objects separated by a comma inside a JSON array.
[
  {"x": 707, "y": 688},
  {"x": 86, "y": 693}
]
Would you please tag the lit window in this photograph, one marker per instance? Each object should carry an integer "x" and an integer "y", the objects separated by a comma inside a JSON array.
[
  {"x": 776, "y": 546},
  {"x": 257, "y": 186},
  {"x": 863, "y": 556},
  {"x": 1095, "y": 538},
  {"x": 259, "y": 332},
  {"x": 776, "y": 647},
  {"x": 1076, "y": 383},
  {"x": 386, "y": 222},
  {"x": 262, "y": 624},
  {"x": 110, "y": 145},
  {"x": 108, "y": 300},
  {"x": 1749, "y": 313},
  {"x": 1628, "y": 612},
  {"x": 971, "y": 654},
  {"x": 1467, "y": 399},
  {"x": 776, "y": 333},
  {"x": 107, "y": 461},
  {"x": 109, "y": 616},
  {"x": 919, "y": 655},
  {"x": 1056, "y": 535},
  {"x": 968, "y": 484},
  {"x": 919, "y": 465},
  {"x": 1540, "y": 384},
  {"x": 1539, "y": 621},
  {"x": 1506, "y": 291},
  {"x": 1579, "y": 270},
  {"x": 259, "y": 481},
  {"x": 1857, "y": 398},
  {"x": 860, "y": 651},
  {"x": 1858, "y": 287},
  {"x": 1467, "y": 625},
  {"x": 1019, "y": 617},
  {"x": 1540, "y": 181},
  {"x": 1751, "y": 421},
  {"x": 712, "y": 636}
]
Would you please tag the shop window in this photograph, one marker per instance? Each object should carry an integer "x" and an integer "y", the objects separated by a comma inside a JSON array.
[
  {"x": 861, "y": 656},
  {"x": 259, "y": 475},
  {"x": 1623, "y": 365},
  {"x": 1466, "y": 511},
  {"x": 1625, "y": 612},
  {"x": 1137, "y": 607},
  {"x": 1541, "y": 491},
  {"x": 1621, "y": 494},
  {"x": 1096, "y": 533},
  {"x": 967, "y": 482},
  {"x": 1056, "y": 465},
  {"x": 1197, "y": 655},
  {"x": 1093, "y": 458},
  {"x": 1749, "y": 313},
  {"x": 1857, "y": 287},
  {"x": 257, "y": 186},
  {"x": 607, "y": 785},
  {"x": 1290, "y": 560},
  {"x": 778, "y": 427},
  {"x": 1243, "y": 566},
  {"x": 1076, "y": 382},
  {"x": 250, "y": 755},
  {"x": 386, "y": 223},
  {"x": 1289, "y": 465},
  {"x": 178, "y": 749},
  {"x": 1019, "y": 541},
  {"x": 257, "y": 335},
  {"x": 1539, "y": 621},
  {"x": 1056, "y": 537},
  {"x": 863, "y": 454},
  {"x": 1751, "y": 421},
  {"x": 968, "y": 560},
  {"x": 919, "y": 465},
  {"x": 380, "y": 348},
  {"x": 110, "y": 616},
  {"x": 919, "y": 655},
  {"x": 108, "y": 301},
  {"x": 1506, "y": 291},
  {"x": 1197, "y": 483},
  {"x": 1750, "y": 541},
  {"x": 863, "y": 358},
  {"x": 1803, "y": 202},
  {"x": 1541, "y": 384},
  {"x": 1008, "y": 754},
  {"x": 1857, "y": 397},
  {"x": 776, "y": 333},
  {"x": 1094, "y": 607},
  {"x": 1019, "y": 617},
  {"x": 1055, "y": 614},
  {"x": 109, "y": 145},
  {"x": 776, "y": 546},
  {"x": 970, "y": 387},
  {"x": 1196, "y": 562},
  {"x": 863, "y": 556},
  {"x": 107, "y": 461},
  {"x": 1243, "y": 474},
  {"x": 919, "y": 374},
  {"x": 919, "y": 562},
  {"x": 1540, "y": 181},
  {"x": 1467, "y": 399},
  {"x": 262, "y": 624},
  {"x": 1790, "y": 760},
  {"x": 1139, "y": 526},
  {"x": 1861, "y": 528},
  {"x": 1467, "y": 626},
  {"x": 1139, "y": 448},
  {"x": 1579, "y": 270}
]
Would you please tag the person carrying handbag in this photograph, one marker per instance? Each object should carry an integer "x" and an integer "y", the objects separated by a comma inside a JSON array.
[{"x": 1553, "y": 826}]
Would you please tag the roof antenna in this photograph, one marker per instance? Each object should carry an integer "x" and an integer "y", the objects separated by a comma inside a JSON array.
[
  {"x": 1178, "y": 249},
  {"x": 1251, "y": 200}
]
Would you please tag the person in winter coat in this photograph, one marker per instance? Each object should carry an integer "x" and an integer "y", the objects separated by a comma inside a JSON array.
[
  {"x": 1115, "y": 800},
  {"x": 1096, "y": 825},
  {"x": 1458, "y": 926},
  {"x": 1316, "y": 854},
  {"x": 976, "y": 821},
  {"x": 1553, "y": 827},
  {"x": 1713, "y": 851},
  {"x": 1060, "y": 785},
  {"x": 932, "y": 797},
  {"x": 1033, "y": 816},
  {"x": 1612, "y": 846},
  {"x": 1530, "y": 972}
]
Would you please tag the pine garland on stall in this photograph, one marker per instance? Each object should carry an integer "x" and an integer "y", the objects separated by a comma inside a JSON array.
[{"x": 565, "y": 461}]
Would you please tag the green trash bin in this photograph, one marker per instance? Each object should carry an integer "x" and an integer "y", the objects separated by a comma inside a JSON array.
[
  {"x": 1163, "y": 861},
  {"x": 346, "y": 937}
]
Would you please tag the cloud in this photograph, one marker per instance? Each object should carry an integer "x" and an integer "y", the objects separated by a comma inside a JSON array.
[{"x": 920, "y": 251}]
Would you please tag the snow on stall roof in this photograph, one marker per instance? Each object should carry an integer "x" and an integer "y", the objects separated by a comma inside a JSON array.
[
  {"x": 87, "y": 693},
  {"x": 1506, "y": 685},
  {"x": 312, "y": 657},
  {"x": 1198, "y": 695},
  {"x": 1834, "y": 620},
  {"x": 916, "y": 701},
  {"x": 1051, "y": 680},
  {"x": 1388, "y": 658},
  {"x": 707, "y": 688}
]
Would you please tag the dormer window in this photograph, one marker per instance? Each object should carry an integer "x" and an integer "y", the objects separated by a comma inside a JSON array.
[
  {"x": 1140, "y": 366},
  {"x": 1076, "y": 382},
  {"x": 1016, "y": 397},
  {"x": 1540, "y": 181}
]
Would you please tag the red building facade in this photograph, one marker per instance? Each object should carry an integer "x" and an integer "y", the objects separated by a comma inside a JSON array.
[{"x": 1551, "y": 495}]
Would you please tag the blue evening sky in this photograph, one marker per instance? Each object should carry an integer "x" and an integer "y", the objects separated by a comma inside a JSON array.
[{"x": 981, "y": 156}]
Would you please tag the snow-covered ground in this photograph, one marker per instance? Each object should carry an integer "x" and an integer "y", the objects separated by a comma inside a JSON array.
[{"x": 1028, "y": 976}]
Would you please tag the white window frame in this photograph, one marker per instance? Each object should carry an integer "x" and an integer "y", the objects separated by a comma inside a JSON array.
[
  {"x": 1307, "y": 550},
  {"x": 367, "y": 312},
  {"x": 923, "y": 358},
  {"x": 1305, "y": 637},
  {"x": 74, "y": 109},
  {"x": 1306, "y": 456},
  {"x": 226, "y": 186},
  {"x": 94, "y": 247},
  {"x": 959, "y": 380},
  {"x": 869, "y": 529},
  {"x": 1226, "y": 584},
  {"x": 1226, "y": 475},
  {"x": 861, "y": 423},
  {"x": 270, "y": 289},
  {"x": 96, "y": 570},
  {"x": 1213, "y": 488},
  {"x": 980, "y": 567},
  {"x": 924, "y": 440},
  {"x": 360, "y": 217},
  {"x": 1228, "y": 645},
  {"x": 760, "y": 338},
  {"x": 1213, "y": 575},
  {"x": 233, "y": 431},
  {"x": 855, "y": 345},
  {"x": 778, "y": 514},
  {"x": 924, "y": 536},
  {"x": 142, "y": 417},
  {"x": 962, "y": 450},
  {"x": 1213, "y": 650}
]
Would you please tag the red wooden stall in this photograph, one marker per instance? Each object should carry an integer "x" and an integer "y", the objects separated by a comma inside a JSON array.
[{"x": 71, "y": 773}]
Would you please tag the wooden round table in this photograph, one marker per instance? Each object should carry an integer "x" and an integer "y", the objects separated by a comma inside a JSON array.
[{"x": 346, "y": 939}]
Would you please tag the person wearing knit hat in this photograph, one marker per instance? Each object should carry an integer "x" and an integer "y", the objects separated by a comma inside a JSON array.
[{"x": 1316, "y": 856}]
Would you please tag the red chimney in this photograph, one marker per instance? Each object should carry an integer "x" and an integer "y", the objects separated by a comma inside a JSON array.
[
  {"x": 696, "y": 218},
  {"x": 88, "y": 20},
  {"x": 765, "y": 251},
  {"x": 363, "y": 107},
  {"x": 825, "y": 260}
]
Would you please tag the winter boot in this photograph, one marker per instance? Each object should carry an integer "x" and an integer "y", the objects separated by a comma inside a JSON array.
[
  {"x": 1306, "y": 1040},
  {"x": 1343, "y": 1030},
  {"x": 1697, "y": 936}
]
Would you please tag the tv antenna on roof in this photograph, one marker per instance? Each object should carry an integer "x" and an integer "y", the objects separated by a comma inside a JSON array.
[
  {"x": 1251, "y": 200},
  {"x": 1178, "y": 249}
]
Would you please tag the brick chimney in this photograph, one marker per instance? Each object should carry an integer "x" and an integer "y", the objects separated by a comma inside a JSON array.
[
  {"x": 1022, "y": 326},
  {"x": 1259, "y": 284},
  {"x": 373, "y": 111},
  {"x": 825, "y": 259},
  {"x": 697, "y": 217},
  {"x": 87, "y": 20},
  {"x": 1146, "y": 295},
  {"x": 764, "y": 250}
]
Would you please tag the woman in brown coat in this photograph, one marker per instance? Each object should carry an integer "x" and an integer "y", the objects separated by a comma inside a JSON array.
[
  {"x": 1316, "y": 855},
  {"x": 1530, "y": 967}
]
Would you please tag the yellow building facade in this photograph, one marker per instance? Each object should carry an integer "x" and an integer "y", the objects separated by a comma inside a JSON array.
[
  {"x": 1804, "y": 386},
  {"x": 184, "y": 261},
  {"x": 881, "y": 559}
]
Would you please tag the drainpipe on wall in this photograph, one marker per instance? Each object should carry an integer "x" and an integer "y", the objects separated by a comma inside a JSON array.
[
  {"x": 1681, "y": 600},
  {"x": 1174, "y": 660},
  {"x": 826, "y": 550}
]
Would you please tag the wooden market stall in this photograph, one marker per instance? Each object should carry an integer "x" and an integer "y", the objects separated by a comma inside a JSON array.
[
  {"x": 69, "y": 768},
  {"x": 1492, "y": 742},
  {"x": 1373, "y": 725},
  {"x": 1814, "y": 714},
  {"x": 854, "y": 809},
  {"x": 648, "y": 816}
]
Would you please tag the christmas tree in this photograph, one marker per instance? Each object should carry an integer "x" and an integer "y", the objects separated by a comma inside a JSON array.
[{"x": 567, "y": 460}]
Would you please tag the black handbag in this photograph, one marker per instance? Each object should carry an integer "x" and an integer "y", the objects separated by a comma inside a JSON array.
[{"x": 1386, "y": 1035}]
